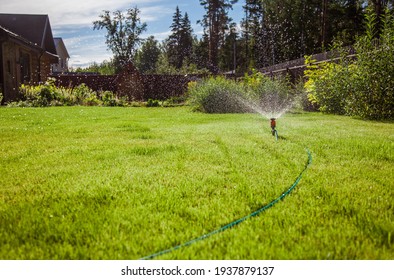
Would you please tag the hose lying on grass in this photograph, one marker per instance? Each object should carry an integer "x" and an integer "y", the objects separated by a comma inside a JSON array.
[{"x": 236, "y": 222}]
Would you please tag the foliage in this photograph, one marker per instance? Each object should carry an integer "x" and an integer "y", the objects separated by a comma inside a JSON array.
[
  {"x": 221, "y": 95},
  {"x": 280, "y": 30},
  {"x": 254, "y": 79},
  {"x": 152, "y": 103},
  {"x": 103, "y": 68},
  {"x": 364, "y": 87},
  {"x": 200, "y": 52},
  {"x": 272, "y": 96},
  {"x": 252, "y": 34},
  {"x": 277, "y": 86},
  {"x": 228, "y": 61},
  {"x": 100, "y": 183},
  {"x": 48, "y": 94},
  {"x": 372, "y": 74},
  {"x": 273, "y": 31},
  {"x": 215, "y": 23},
  {"x": 164, "y": 67},
  {"x": 216, "y": 95},
  {"x": 180, "y": 41},
  {"x": 327, "y": 86},
  {"x": 148, "y": 56},
  {"x": 108, "y": 98},
  {"x": 123, "y": 34},
  {"x": 175, "y": 101}
]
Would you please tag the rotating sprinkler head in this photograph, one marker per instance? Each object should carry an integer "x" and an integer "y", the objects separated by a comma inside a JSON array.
[{"x": 273, "y": 126}]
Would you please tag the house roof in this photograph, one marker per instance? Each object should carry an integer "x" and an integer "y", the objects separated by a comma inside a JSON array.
[
  {"x": 34, "y": 28},
  {"x": 60, "y": 44},
  {"x": 7, "y": 33}
]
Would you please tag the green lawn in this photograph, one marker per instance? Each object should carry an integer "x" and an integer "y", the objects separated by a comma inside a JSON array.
[{"x": 124, "y": 183}]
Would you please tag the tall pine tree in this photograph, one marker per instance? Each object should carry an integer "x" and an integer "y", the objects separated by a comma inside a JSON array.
[
  {"x": 186, "y": 38},
  {"x": 275, "y": 31},
  {"x": 148, "y": 56},
  {"x": 180, "y": 42},
  {"x": 216, "y": 22},
  {"x": 252, "y": 33}
]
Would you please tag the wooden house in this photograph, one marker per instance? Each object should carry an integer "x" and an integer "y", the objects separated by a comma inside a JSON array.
[
  {"x": 27, "y": 50},
  {"x": 61, "y": 50}
]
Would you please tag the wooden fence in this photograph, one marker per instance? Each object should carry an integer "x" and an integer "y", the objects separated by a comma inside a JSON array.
[
  {"x": 295, "y": 68},
  {"x": 94, "y": 81},
  {"x": 137, "y": 86}
]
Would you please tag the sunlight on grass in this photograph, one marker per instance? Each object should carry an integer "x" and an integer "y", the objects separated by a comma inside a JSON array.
[{"x": 122, "y": 183}]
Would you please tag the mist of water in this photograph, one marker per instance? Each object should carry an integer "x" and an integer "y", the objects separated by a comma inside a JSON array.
[{"x": 271, "y": 105}]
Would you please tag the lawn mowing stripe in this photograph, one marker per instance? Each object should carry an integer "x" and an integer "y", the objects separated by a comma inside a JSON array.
[{"x": 236, "y": 222}]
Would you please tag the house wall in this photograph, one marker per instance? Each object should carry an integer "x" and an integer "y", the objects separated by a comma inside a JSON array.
[
  {"x": 62, "y": 66},
  {"x": 13, "y": 56},
  {"x": 45, "y": 67},
  {"x": 10, "y": 71}
]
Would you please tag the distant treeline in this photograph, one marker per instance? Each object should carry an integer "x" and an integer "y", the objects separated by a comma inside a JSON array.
[{"x": 271, "y": 32}]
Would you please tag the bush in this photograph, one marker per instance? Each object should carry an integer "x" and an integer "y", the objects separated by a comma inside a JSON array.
[
  {"x": 328, "y": 86},
  {"x": 364, "y": 87},
  {"x": 48, "y": 94},
  {"x": 256, "y": 93},
  {"x": 175, "y": 101},
  {"x": 152, "y": 103},
  {"x": 38, "y": 96},
  {"x": 108, "y": 99},
  {"x": 272, "y": 95},
  {"x": 216, "y": 95},
  {"x": 373, "y": 80}
]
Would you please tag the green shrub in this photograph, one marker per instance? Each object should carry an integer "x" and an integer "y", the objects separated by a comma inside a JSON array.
[
  {"x": 254, "y": 80},
  {"x": 175, "y": 101},
  {"x": 108, "y": 98},
  {"x": 373, "y": 80},
  {"x": 255, "y": 93},
  {"x": 38, "y": 96},
  {"x": 152, "y": 103},
  {"x": 364, "y": 87},
  {"x": 328, "y": 86},
  {"x": 48, "y": 94},
  {"x": 83, "y": 95},
  {"x": 274, "y": 94},
  {"x": 216, "y": 95}
]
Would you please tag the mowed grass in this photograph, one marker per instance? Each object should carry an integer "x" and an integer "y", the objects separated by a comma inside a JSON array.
[{"x": 124, "y": 183}]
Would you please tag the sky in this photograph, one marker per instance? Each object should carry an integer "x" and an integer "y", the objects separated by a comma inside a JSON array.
[{"x": 72, "y": 20}]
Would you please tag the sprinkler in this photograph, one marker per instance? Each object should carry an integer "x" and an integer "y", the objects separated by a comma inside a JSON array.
[{"x": 273, "y": 126}]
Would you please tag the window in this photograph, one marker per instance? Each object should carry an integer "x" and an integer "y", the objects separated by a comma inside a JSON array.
[
  {"x": 9, "y": 67},
  {"x": 25, "y": 67}
]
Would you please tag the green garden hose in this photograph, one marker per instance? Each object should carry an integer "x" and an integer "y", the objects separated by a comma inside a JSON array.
[{"x": 236, "y": 222}]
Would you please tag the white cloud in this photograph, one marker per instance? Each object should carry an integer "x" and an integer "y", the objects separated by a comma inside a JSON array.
[
  {"x": 81, "y": 12},
  {"x": 73, "y": 21},
  {"x": 158, "y": 36},
  {"x": 86, "y": 47}
]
